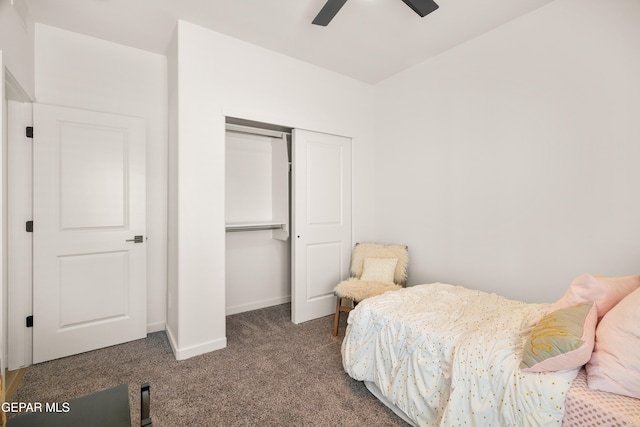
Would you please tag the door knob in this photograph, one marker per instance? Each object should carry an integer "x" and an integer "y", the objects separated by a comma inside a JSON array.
[{"x": 136, "y": 239}]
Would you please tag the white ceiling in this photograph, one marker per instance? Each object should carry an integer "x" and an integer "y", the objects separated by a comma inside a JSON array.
[{"x": 368, "y": 40}]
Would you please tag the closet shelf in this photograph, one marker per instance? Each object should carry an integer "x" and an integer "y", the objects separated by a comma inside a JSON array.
[{"x": 254, "y": 226}]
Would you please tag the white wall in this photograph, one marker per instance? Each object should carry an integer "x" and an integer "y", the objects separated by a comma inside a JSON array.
[
  {"x": 257, "y": 271},
  {"x": 515, "y": 155},
  {"x": 217, "y": 76},
  {"x": 83, "y": 72},
  {"x": 172, "y": 190},
  {"x": 17, "y": 42}
]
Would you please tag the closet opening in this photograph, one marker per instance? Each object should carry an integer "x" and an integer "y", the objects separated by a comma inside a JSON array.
[{"x": 258, "y": 215}]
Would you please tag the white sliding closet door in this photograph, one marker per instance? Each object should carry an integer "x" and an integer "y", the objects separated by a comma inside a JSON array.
[{"x": 321, "y": 214}]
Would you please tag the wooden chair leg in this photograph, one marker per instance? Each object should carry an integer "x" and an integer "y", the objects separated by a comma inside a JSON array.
[{"x": 336, "y": 318}]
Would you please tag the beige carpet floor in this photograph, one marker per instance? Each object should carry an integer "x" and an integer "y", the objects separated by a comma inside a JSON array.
[{"x": 272, "y": 373}]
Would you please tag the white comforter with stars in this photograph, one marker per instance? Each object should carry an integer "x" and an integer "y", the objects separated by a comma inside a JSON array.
[{"x": 449, "y": 356}]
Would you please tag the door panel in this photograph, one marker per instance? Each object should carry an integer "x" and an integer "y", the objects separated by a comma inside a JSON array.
[
  {"x": 93, "y": 288},
  {"x": 324, "y": 184},
  {"x": 93, "y": 171},
  {"x": 89, "y": 280},
  {"x": 321, "y": 219},
  {"x": 323, "y": 269}
]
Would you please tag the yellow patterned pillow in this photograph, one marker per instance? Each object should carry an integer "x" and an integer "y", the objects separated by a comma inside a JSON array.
[{"x": 561, "y": 340}]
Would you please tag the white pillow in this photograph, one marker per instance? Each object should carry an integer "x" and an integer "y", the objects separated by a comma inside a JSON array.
[{"x": 379, "y": 269}]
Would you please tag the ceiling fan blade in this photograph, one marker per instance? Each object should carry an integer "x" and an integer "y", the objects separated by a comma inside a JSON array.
[
  {"x": 328, "y": 11},
  {"x": 422, "y": 7}
]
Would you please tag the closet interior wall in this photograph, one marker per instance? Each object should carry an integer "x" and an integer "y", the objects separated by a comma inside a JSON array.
[{"x": 257, "y": 194}]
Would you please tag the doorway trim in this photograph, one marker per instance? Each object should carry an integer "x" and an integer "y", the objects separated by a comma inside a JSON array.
[{"x": 19, "y": 210}]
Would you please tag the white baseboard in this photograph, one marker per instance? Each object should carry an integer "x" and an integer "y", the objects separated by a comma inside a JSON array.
[
  {"x": 196, "y": 350},
  {"x": 172, "y": 341},
  {"x": 257, "y": 305},
  {"x": 156, "y": 327}
]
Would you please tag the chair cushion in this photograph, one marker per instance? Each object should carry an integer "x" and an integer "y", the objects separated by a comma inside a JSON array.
[
  {"x": 358, "y": 290},
  {"x": 379, "y": 269}
]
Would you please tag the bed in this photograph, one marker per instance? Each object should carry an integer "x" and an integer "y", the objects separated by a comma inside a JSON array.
[{"x": 444, "y": 355}]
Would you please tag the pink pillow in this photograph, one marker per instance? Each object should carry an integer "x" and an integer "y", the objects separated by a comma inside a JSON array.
[
  {"x": 605, "y": 292},
  {"x": 615, "y": 362}
]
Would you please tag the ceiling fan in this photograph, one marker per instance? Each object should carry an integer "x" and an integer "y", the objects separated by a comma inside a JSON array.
[{"x": 331, "y": 8}]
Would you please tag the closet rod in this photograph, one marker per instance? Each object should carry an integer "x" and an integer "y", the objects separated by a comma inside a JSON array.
[
  {"x": 256, "y": 227},
  {"x": 255, "y": 131}
]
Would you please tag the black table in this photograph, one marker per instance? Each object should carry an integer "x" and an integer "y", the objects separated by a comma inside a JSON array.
[{"x": 107, "y": 408}]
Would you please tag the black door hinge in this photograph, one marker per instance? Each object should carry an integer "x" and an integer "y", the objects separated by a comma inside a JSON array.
[
  {"x": 29, "y": 321},
  {"x": 29, "y": 226},
  {"x": 29, "y": 132}
]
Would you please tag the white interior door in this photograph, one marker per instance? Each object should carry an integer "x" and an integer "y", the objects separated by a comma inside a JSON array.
[
  {"x": 321, "y": 181},
  {"x": 89, "y": 278}
]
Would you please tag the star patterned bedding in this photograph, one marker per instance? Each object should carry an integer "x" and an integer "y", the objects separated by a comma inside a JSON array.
[{"x": 449, "y": 356}]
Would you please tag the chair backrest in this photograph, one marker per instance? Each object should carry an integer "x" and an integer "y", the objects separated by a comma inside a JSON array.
[{"x": 381, "y": 250}]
